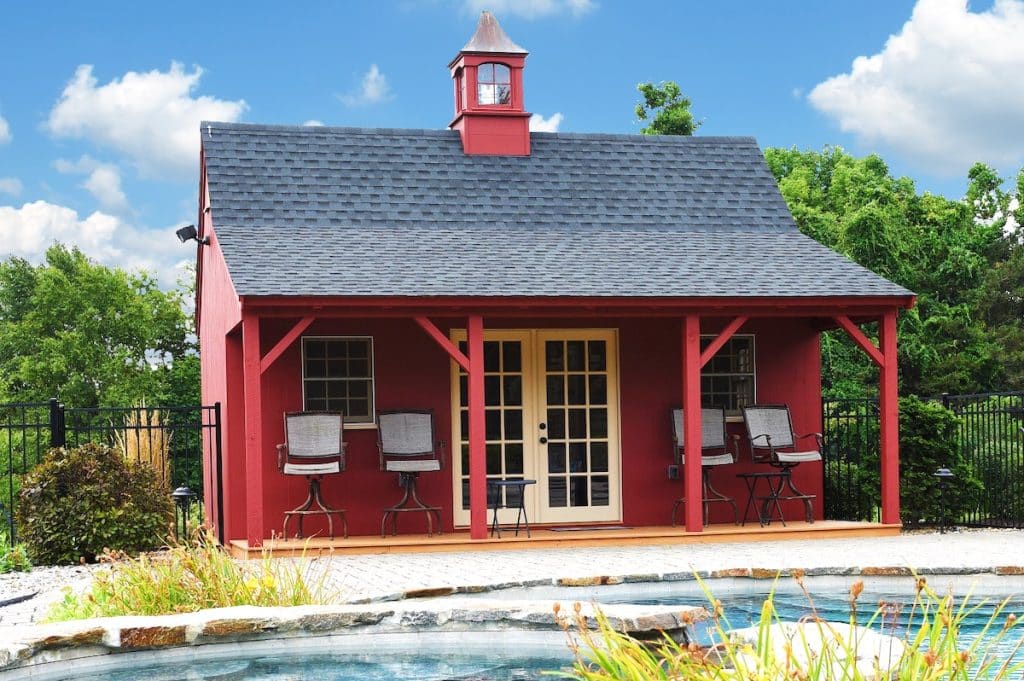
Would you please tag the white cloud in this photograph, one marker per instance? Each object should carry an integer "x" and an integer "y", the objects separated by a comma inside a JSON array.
[
  {"x": 550, "y": 124},
  {"x": 103, "y": 181},
  {"x": 313, "y": 123},
  {"x": 373, "y": 89},
  {"x": 28, "y": 231},
  {"x": 152, "y": 118},
  {"x": 944, "y": 92},
  {"x": 5, "y": 131},
  {"x": 10, "y": 185},
  {"x": 530, "y": 9}
]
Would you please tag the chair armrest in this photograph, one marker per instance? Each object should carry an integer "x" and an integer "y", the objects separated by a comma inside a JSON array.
[
  {"x": 735, "y": 446},
  {"x": 817, "y": 438},
  {"x": 440, "y": 452},
  {"x": 281, "y": 449}
]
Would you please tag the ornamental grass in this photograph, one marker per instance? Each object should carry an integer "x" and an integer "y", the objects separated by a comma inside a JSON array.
[
  {"x": 930, "y": 634},
  {"x": 190, "y": 576}
]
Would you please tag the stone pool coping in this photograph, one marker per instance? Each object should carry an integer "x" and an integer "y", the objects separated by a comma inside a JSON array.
[{"x": 29, "y": 651}]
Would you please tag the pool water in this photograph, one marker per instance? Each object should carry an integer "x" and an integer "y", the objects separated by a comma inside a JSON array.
[{"x": 346, "y": 667}]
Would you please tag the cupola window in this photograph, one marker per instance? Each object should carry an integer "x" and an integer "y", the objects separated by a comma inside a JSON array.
[{"x": 493, "y": 84}]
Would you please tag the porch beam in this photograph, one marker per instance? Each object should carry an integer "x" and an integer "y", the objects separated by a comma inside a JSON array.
[
  {"x": 889, "y": 421},
  {"x": 285, "y": 343},
  {"x": 860, "y": 339},
  {"x": 442, "y": 340},
  {"x": 691, "y": 361},
  {"x": 254, "y": 459},
  {"x": 723, "y": 337},
  {"x": 477, "y": 434}
]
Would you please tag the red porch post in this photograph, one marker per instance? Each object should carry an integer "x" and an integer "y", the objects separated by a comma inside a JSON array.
[
  {"x": 477, "y": 433},
  {"x": 890, "y": 420},
  {"x": 253, "y": 429},
  {"x": 692, "y": 488}
]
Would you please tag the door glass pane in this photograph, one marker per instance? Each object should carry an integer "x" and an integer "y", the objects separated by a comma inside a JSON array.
[
  {"x": 556, "y": 492},
  {"x": 492, "y": 417},
  {"x": 512, "y": 352},
  {"x": 577, "y": 389},
  {"x": 599, "y": 422},
  {"x": 464, "y": 424},
  {"x": 492, "y": 391},
  {"x": 556, "y": 389},
  {"x": 494, "y": 460},
  {"x": 465, "y": 494},
  {"x": 463, "y": 391},
  {"x": 598, "y": 389},
  {"x": 465, "y": 459},
  {"x": 574, "y": 354},
  {"x": 513, "y": 459},
  {"x": 553, "y": 356},
  {"x": 599, "y": 490},
  {"x": 578, "y": 423},
  {"x": 597, "y": 355},
  {"x": 578, "y": 491},
  {"x": 492, "y": 351},
  {"x": 513, "y": 424},
  {"x": 556, "y": 457},
  {"x": 556, "y": 424},
  {"x": 513, "y": 390},
  {"x": 578, "y": 457},
  {"x": 599, "y": 457}
]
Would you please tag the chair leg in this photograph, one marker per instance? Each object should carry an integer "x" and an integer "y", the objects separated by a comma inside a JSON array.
[
  {"x": 306, "y": 508},
  {"x": 411, "y": 497},
  {"x": 808, "y": 499},
  {"x": 712, "y": 494}
]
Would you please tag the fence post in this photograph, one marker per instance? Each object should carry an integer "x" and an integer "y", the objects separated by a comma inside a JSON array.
[{"x": 58, "y": 434}]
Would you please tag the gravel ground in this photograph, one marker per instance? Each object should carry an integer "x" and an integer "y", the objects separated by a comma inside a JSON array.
[{"x": 47, "y": 583}]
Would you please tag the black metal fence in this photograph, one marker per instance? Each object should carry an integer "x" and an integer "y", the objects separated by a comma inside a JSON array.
[
  {"x": 989, "y": 437},
  {"x": 172, "y": 439},
  {"x": 991, "y": 440}
]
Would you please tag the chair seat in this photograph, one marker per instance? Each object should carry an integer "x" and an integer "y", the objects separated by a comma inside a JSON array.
[
  {"x": 705, "y": 460},
  {"x": 412, "y": 465},
  {"x": 797, "y": 457},
  {"x": 312, "y": 468}
]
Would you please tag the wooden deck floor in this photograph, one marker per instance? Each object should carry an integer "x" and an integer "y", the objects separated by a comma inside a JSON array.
[{"x": 546, "y": 538}]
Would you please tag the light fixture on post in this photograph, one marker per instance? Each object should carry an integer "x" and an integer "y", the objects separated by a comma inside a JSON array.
[
  {"x": 943, "y": 475},
  {"x": 183, "y": 497},
  {"x": 188, "y": 233}
]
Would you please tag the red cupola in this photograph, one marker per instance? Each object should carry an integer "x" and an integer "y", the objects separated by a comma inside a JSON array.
[{"x": 489, "y": 109}]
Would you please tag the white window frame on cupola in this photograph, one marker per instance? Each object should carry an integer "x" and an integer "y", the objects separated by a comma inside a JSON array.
[{"x": 494, "y": 83}]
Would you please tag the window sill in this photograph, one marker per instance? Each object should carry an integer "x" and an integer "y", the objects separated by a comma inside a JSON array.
[{"x": 360, "y": 426}]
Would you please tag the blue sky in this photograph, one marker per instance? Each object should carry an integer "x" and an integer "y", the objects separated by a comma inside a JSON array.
[{"x": 100, "y": 101}]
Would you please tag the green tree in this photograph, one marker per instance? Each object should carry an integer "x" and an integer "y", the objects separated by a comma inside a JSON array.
[
  {"x": 667, "y": 108},
  {"x": 88, "y": 334}
]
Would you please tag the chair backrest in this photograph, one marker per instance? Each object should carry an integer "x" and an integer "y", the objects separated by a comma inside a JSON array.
[
  {"x": 768, "y": 419},
  {"x": 712, "y": 427},
  {"x": 406, "y": 433},
  {"x": 314, "y": 434}
]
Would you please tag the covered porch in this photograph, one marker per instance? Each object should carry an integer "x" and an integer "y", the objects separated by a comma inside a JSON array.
[{"x": 430, "y": 354}]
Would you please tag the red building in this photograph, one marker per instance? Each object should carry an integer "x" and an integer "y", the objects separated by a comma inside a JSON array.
[{"x": 507, "y": 279}]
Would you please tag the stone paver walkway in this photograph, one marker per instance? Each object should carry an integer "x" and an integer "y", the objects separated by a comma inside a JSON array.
[
  {"x": 362, "y": 578},
  {"x": 369, "y": 577}
]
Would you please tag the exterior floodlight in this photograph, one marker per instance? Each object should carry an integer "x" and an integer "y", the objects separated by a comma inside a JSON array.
[{"x": 188, "y": 232}]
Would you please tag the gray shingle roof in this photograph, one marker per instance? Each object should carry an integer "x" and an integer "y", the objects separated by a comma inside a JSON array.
[{"x": 340, "y": 211}]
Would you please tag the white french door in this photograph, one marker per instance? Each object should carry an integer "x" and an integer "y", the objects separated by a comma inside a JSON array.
[{"x": 551, "y": 415}]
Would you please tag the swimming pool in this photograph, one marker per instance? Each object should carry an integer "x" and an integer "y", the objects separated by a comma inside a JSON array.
[{"x": 510, "y": 654}]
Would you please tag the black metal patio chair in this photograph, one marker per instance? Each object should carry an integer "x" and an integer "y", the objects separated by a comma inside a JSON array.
[
  {"x": 314, "y": 448},
  {"x": 405, "y": 441},
  {"x": 772, "y": 441},
  {"x": 713, "y": 439}
]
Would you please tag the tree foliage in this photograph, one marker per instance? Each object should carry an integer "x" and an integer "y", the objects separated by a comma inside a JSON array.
[
  {"x": 90, "y": 334},
  {"x": 667, "y": 108},
  {"x": 965, "y": 334}
]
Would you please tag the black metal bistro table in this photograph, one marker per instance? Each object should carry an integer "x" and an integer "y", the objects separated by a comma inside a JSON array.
[
  {"x": 769, "y": 498},
  {"x": 497, "y": 496}
]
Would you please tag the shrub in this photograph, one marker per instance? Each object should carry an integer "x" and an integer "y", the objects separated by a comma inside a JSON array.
[
  {"x": 14, "y": 558},
  {"x": 928, "y": 441},
  {"x": 192, "y": 576},
  {"x": 78, "y": 502}
]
